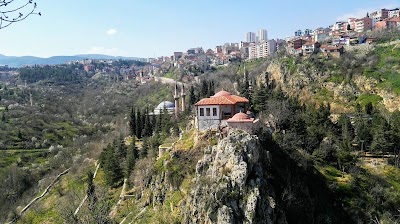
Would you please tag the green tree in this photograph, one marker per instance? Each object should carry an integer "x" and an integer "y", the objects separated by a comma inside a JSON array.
[
  {"x": 358, "y": 109},
  {"x": 192, "y": 96},
  {"x": 381, "y": 135},
  {"x": 132, "y": 122},
  {"x": 347, "y": 130},
  {"x": 145, "y": 148},
  {"x": 121, "y": 148},
  {"x": 147, "y": 124},
  {"x": 369, "y": 108},
  {"x": 204, "y": 89},
  {"x": 244, "y": 87},
  {"x": 139, "y": 124},
  {"x": 131, "y": 158},
  {"x": 260, "y": 98},
  {"x": 111, "y": 166},
  {"x": 91, "y": 190}
]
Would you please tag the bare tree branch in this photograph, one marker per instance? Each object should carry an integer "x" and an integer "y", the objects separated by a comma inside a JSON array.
[{"x": 11, "y": 12}]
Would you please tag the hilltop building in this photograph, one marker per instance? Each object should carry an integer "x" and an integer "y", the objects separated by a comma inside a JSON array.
[
  {"x": 262, "y": 35},
  {"x": 250, "y": 37},
  {"x": 213, "y": 112}
]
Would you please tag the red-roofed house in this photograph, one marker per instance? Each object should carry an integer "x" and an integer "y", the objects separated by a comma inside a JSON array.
[
  {"x": 334, "y": 51},
  {"x": 214, "y": 111},
  {"x": 389, "y": 23}
]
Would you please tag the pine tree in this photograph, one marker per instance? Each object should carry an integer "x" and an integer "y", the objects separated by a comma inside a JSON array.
[
  {"x": 260, "y": 99},
  {"x": 210, "y": 90},
  {"x": 131, "y": 159},
  {"x": 192, "y": 96},
  {"x": 244, "y": 88},
  {"x": 111, "y": 166},
  {"x": 145, "y": 148},
  {"x": 166, "y": 122},
  {"x": 121, "y": 148},
  {"x": 347, "y": 128},
  {"x": 204, "y": 89},
  {"x": 147, "y": 124},
  {"x": 132, "y": 122},
  {"x": 139, "y": 125}
]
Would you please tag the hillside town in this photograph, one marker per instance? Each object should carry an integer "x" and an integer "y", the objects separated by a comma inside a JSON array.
[{"x": 331, "y": 41}]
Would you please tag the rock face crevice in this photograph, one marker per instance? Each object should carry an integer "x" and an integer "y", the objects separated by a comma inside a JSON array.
[{"x": 229, "y": 186}]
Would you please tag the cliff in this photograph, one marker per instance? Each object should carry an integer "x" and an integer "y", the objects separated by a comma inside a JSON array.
[
  {"x": 229, "y": 184},
  {"x": 342, "y": 82}
]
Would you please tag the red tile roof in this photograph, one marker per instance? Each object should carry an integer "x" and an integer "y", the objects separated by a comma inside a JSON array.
[
  {"x": 222, "y": 100},
  {"x": 240, "y": 117},
  {"x": 393, "y": 19}
]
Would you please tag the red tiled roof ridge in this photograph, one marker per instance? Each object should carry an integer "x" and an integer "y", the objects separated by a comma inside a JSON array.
[{"x": 222, "y": 100}]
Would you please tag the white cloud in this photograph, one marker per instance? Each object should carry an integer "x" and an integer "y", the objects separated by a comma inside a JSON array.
[
  {"x": 111, "y": 32},
  {"x": 107, "y": 51},
  {"x": 362, "y": 12}
]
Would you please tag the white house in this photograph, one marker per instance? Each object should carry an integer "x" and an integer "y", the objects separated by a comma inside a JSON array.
[{"x": 215, "y": 111}]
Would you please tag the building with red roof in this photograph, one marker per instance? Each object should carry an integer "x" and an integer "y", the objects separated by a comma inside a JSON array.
[
  {"x": 215, "y": 111},
  {"x": 243, "y": 121}
]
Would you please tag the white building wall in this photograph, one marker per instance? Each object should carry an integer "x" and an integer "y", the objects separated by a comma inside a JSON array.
[
  {"x": 393, "y": 13},
  {"x": 252, "y": 51},
  {"x": 208, "y": 117}
]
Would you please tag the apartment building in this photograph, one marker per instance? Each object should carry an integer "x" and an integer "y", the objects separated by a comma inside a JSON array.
[
  {"x": 379, "y": 16},
  {"x": 250, "y": 37},
  {"x": 262, "y": 35},
  {"x": 394, "y": 13},
  {"x": 363, "y": 24},
  {"x": 262, "y": 49}
]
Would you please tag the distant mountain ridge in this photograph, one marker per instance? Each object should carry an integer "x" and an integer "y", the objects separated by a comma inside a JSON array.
[{"x": 14, "y": 61}]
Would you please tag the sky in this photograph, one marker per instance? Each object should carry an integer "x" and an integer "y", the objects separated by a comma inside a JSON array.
[{"x": 153, "y": 28}]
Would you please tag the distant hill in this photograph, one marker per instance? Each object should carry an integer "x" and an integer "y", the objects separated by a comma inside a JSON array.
[{"x": 14, "y": 61}]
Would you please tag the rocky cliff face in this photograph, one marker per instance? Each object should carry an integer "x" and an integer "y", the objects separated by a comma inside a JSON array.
[
  {"x": 229, "y": 184},
  {"x": 304, "y": 81}
]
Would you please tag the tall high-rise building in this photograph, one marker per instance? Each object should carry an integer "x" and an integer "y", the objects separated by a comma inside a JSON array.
[
  {"x": 250, "y": 37},
  {"x": 262, "y": 35}
]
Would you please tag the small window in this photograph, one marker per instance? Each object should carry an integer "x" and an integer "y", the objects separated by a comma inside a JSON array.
[
  {"x": 201, "y": 111},
  {"x": 208, "y": 112},
  {"x": 214, "y": 112}
]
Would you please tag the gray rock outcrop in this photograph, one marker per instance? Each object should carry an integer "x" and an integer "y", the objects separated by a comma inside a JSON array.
[{"x": 229, "y": 185}]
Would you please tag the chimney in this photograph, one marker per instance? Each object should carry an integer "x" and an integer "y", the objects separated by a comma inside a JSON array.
[
  {"x": 176, "y": 97},
  {"x": 183, "y": 94}
]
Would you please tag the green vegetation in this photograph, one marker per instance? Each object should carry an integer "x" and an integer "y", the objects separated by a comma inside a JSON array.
[
  {"x": 290, "y": 63},
  {"x": 324, "y": 95},
  {"x": 364, "y": 99},
  {"x": 22, "y": 157},
  {"x": 385, "y": 67},
  {"x": 170, "y": 75}
]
